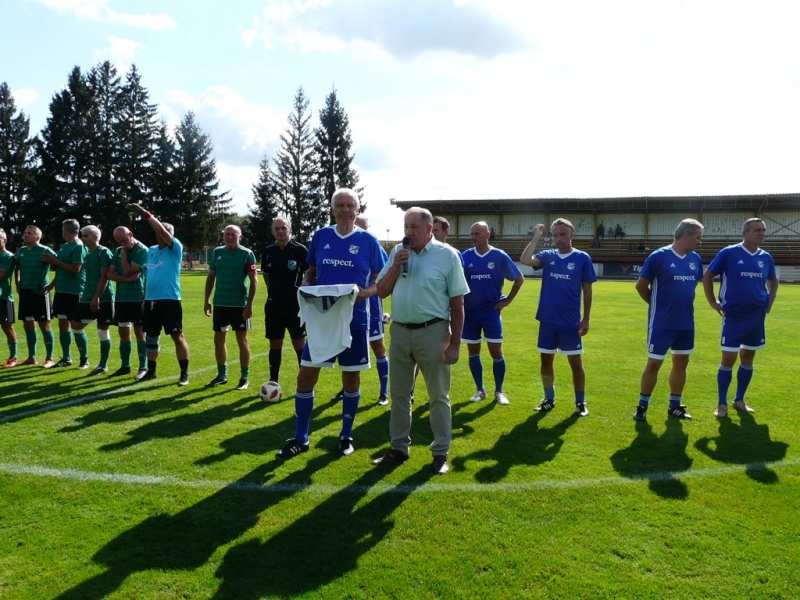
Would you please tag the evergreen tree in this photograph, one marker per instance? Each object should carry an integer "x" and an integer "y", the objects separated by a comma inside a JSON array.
[
  {"x": 196, "y": 210},
  {"x": 16, "y": 147},
  {"x": 297, "y": 185},
  {"x": 268, "y": 205},
  {"x": 333, "y": 145}
]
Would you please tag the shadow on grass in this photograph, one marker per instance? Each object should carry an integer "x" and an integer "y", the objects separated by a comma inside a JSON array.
[
  {"x": 186, "y": 540},
  {"x": 657, "y": 459},
  {"x": 526, "y": 444},
  {"x": 746, "y": 443},
  {"x": 320, "y": 547}
]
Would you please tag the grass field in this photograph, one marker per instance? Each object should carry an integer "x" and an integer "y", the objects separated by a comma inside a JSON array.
[{"x": 114, "y": 489}]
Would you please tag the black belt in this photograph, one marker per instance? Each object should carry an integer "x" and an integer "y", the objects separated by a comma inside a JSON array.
[{"x": 420, "y": 325}]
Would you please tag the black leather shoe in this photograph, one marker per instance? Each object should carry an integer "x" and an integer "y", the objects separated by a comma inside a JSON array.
[
  {"x": 440, "y": 466},
  {"x": 392, "y": 457}
]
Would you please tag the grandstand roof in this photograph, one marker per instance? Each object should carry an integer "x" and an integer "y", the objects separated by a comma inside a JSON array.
[{"x": 755, "y": 202}]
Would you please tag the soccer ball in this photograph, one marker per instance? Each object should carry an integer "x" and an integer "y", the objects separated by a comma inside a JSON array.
[
  {"x": 270, "y": 392},
  {"x": 387, "y": 317}
]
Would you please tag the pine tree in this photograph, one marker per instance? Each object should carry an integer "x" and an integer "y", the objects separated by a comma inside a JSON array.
[
  {"x": 268, "y": 205},
  {"x": 16, "y": 147},
  {"x": 297, "y": 187},
  {"x": 333, "y": 144},
  {"x": 196, "y": 210}
]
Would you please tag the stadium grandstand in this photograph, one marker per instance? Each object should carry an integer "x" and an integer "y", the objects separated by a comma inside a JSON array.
[{"x": 641, "y": 225}]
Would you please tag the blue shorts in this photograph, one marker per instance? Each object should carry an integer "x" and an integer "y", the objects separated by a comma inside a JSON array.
[
  {"x": 743, "y": 332},
  {"x": 375, "y": 326},
  {"x": 661, "y": 340},
  {"x": 354, "y": 358},
  {"x": 554, "y": 339},
  {"x": 488, "y": 321}
]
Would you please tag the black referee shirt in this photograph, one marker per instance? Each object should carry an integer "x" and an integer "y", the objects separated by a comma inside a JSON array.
[{"x": 285, "y": 269}]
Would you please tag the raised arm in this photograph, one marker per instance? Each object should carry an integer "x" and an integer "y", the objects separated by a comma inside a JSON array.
[{"x": 528, "y": 257}]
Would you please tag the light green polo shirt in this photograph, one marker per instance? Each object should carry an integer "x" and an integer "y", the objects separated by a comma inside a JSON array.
[
  {"x": 70, "y": 253},
  {"x": 435, "y": 275},
  {"x": 34, "y": 273}
]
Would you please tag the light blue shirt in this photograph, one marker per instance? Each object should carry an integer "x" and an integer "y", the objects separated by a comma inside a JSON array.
[
  {"x": 435, "y": 275},
  {"x": 164, "y": 272}
]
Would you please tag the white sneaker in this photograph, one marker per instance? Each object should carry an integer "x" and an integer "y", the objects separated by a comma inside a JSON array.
[
  {"x": 140, "y": 374},
  {"x": 479, "y": 395},
  {"x": 742, "y": 407},
  {"x": 501, "y": 398},
  {"x": 722, "y": 411}
]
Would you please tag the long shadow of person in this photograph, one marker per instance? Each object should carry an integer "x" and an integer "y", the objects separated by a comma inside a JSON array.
[
  {"x": 656, "y": 459},
  {"x": 462, "y": 419},
  {"x": 319, "y": 547},
  {"x": 186, "y": 540},
  {"x": 526, "y": 444},
  {"x": 748, "y": 444}
]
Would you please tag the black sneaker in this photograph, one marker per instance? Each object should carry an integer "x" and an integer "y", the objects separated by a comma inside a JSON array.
[
  {"x": 213, "y": 383},
  {"x": 640, "y": 414},
  {"x": 291, "y": 449},
  {"x": 84, "y": 364},
  {"x": 148, "y": 376},
  {"x": 383, "y": 400},
  {"x": 346, "y": 446},
  {"x": 98, "y": 371},
  {"x": 545, "y": 405},
  {"x": 243, "y": 384},
  {"x": 121, "y": 371},
  {"x": 581, "y": 410},
  {"x": 63, "y": 363},
  {"x": 184, "y": 378},
  {"x": 679, "y": 412}
]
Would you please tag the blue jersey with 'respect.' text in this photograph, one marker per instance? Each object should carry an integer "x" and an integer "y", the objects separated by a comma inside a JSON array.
[
  {"x": 743, "y": 275},
  {"x": 562, "y": 286},
  {"x": 353, "y": 258},
  {"x": 486, "y": 275},
  {"x": 673, "y": 279}
]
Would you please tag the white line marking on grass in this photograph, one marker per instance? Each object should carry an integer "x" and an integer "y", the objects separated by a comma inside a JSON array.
[
  {"x": 100, "y": 395},
  {"x": 282, "y": 488}
]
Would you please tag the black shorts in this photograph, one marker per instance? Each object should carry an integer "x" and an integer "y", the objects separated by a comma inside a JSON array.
[
  {"x": 33, "y": 306},
  {"x": 104, "y": 316},
  {"x": 65, "y": 306},
  {"x": 6, "y": 311},
  {"x": 128, "y": 314},
  {"x": 166, "y": 314},
  {"x": 230, "y": 317},
  {"x": 279, "y": 317}
]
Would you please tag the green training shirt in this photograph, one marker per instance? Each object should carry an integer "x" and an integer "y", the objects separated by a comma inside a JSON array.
[
  {"x": 131, "y": 291},
  {"x": 231, "y": 268},
  {"x": 70, "y": 253},
  {"x": 34, "y": 273},
  {"x": 97, "y": 259},
  {"x": 7, "y": 262}
]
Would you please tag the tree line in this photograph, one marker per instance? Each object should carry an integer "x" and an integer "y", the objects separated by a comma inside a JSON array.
[{"x": 103, "y": 147}]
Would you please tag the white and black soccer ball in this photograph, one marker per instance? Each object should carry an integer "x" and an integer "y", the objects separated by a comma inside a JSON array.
[
  {"x": 386, "y": 317},
  {"x": 270, "y": 392}
]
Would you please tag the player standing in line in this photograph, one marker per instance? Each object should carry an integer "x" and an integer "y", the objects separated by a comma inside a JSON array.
[
  {"x": 162, "y": 295},
  {"x": 230, "y": 268},
  {"x": 67, "y": 265},
  {"x": 97, "y": 300},
  {"x": 376, "y": 335},
  {"x": 667, "y": 283},
  {"x": 567, "y": 273},
  {"x": 283, "y": 265},
  {"x": 338, "y": 254},
  {"x": 747, "y": 292},
  {"x": 33, "y": 274},
  {"x": 486, "y": 269},
  {"x": 7, "y": 262},
  {"x": 127, "y": 273}
]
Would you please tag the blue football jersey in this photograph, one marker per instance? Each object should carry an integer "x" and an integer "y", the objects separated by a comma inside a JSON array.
[
  {"x": 486, "y": 275},
  {"x": 673, "y": 281},
  {"x": 164, "y": 272},
  {"x": 743, "y": 279},
  {"x": 562, "y": 286},
  {"x": 354, "y": 258}
]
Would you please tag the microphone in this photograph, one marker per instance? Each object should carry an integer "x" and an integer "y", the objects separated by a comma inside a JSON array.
[{"x": 404, "y": 267}]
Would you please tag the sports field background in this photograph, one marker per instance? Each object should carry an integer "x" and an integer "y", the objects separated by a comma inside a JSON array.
[{"x": 114, "y": 489}]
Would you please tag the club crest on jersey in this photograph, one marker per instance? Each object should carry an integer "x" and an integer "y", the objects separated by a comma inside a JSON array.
[
  {"x": 571, "y": 266},
  {"x": 693, "y": 266},
  {"x": 490, "y": 265},
  {"x": 353, "y": 249},
  {"x": 761, "y": 264},
  {"x": 292, "y": 264}
]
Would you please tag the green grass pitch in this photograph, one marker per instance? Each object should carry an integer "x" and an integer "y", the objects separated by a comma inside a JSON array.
[{"x": 112, "y": 489}]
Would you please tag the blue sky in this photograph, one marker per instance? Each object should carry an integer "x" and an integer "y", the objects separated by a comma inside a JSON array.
[{"x": 465, "y": 99}]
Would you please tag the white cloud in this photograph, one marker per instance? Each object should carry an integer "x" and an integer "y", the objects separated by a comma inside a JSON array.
[
  {"x": 120, "y": 52},
  {"x": 98, "y": 10},
  {"x": 25, "y": 97}
]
